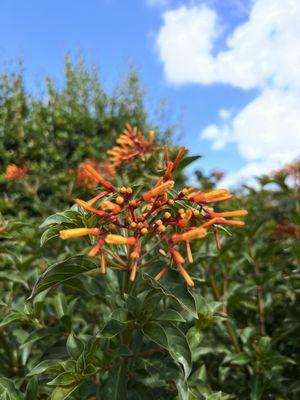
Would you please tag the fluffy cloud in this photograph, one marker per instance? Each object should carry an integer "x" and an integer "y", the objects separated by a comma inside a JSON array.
[{"x": 262, "y": 53}]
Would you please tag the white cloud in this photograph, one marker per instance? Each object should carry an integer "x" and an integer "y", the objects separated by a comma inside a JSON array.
[{"x": 263, "y": 53}]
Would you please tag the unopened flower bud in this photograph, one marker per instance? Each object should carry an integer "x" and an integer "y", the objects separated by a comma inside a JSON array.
[{"x": 119, "y": 200}]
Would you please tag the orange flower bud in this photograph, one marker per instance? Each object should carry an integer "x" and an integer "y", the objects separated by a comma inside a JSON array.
[
  {"x": 158, "y": 190},
  {"x": 179, "y": 156},
  {"x": 162, "y": 272},
  {"x": 169, "y": 170},
  {"x": 99, "y": 178},
  {"x": 189, "y": 252},
  {"x": 96, "y": 248},
  {"x": 151, "y": 137},
  {"x": 119, "y": 200},
  {"x": 118, "y": 239},
  {"x": 224, "y": 221},
  {"x": 187, "y": 216},
  {"x": 78, "y": 232},
  {"x": 196, "y": 233},
  {"x": 179, "y": 260},
  {"x": 88, "y": 207},
  {"x": 238, "y": 213},
  {"x": 133, "y": 271},
  {"x": 177, "y": 257},
  {"x": 103, "y": 265},
  {"x": 185, "y": 275}
]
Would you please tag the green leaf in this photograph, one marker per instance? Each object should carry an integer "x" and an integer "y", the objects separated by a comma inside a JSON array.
[
  {"x": 237, "y": 359},
  {"x": 13, "y": 277},
  {"x": 156, "y": 333},
  {"x": 116, "y": 385},
  {"x": 62, "y": 271},
  {"x": 172, "y": 339},
  {"x": 32, "y": 389},
  {"x": 68, "y": 216},
  {"x": 61, "y": 393},
  {"x": 168, "y": 315},
  {"x": 49, "y": 234},
  {"x": 41, "y": 334},
  {"x": 15, "y": 316},
  {"x": 8, "y": 390},
  {"x": 64, "y": 379},
  {"x": 179, "y": 348},
  {"x": 48, "y": 366},
  {"x": 112, "y": 328},
  {"x": 74, "y": 346},
  {"x": 176, "y": 289},
  {"x": 187, "y": 161}
]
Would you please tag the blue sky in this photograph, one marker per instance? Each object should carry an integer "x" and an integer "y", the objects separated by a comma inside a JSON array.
[{"x": 116, "y": 33}]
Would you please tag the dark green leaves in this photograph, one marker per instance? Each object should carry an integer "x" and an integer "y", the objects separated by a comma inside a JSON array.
[
  {"x": 172, "y": 339},
  {"x": 176, "y": 289},
  {"x": 62, "y": 271},
  {"x": 8, "y": 390}
]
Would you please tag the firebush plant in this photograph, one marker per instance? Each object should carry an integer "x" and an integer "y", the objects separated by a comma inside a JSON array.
[
  {"x": 144, "y": 287},
  {"x": 141, "y": 232}
]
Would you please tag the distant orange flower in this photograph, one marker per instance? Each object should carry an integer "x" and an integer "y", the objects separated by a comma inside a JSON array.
[
  {"x": 218, "y": 174},
  {"x": 131, "y": 145},
  {"x": 287, "y": 229},
  {"x": 85, "y": 179},
  {"x": 13, "y": 172},
  {"x": 161, "y": 214}
]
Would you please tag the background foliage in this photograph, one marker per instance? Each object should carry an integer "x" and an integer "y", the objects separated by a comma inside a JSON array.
[{"x": 235, "y": 336}]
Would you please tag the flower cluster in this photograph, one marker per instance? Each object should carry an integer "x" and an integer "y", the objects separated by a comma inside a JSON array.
[
  {"x": 13, "y": 172},
  {"x": 291, "y": 170},
  {"x": 286, "y": 229},
  {"x": 85, "y": 179},
  {"x": 131, "y": 145},
  {"x": 161, "y": 214}
]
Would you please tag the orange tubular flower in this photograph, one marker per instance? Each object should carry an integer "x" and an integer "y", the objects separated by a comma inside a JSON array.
[
  {"x": 212, "y": 197},
  {"x": 78, "y": 232},
  {"x": 179, "y": 260},
  {"x": 162, "y": 272},
  {"x": 158, "y": 190},
  {"x": 103, "y": 264},
  {"x": 99, "y": 178},
  {"x": 118, "y": 239},
  {"x": 224, "y": 221},
  {"x": 125, "y": 217},
  {"x": 131, "y": 146},
  {"x": 13, "y": 172},
  {"x": 238, "y": 213},
  {"x": 184, "y": 221},
  {"x": 94, "y": 250},
  {"x": 196, "y": 233},
  {"x": 176, "y": 256},
  {"x": 179, "y": 156},
  {"x": 93, "y": 210},
  {"x": 85, "y": 179},
  {"x": 151, "y": 138}
]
